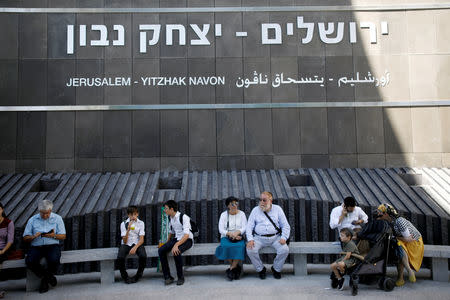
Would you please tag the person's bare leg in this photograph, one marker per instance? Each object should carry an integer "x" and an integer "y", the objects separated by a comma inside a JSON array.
[
  {"x": 234, "y": 263},
  {"x": 334, "y": 268},
  {"x": 405, "y": 263},
  {"x": 400, "y": 280},
  {"x": 341, "y": 267}
]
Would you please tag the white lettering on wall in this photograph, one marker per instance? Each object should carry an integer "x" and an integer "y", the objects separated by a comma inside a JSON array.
[
  {"x": 176, "y": 34},
  {"x": 103, "y": 40},
  {"x": 143, "y": 36},
  {"x": 276, "y": 29}
]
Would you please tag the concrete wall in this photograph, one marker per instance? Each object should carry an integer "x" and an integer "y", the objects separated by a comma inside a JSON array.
[{"x": 34, "y": 68}]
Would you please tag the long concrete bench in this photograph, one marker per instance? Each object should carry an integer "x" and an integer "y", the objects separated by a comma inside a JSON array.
[{"x": 299, "y": 251}]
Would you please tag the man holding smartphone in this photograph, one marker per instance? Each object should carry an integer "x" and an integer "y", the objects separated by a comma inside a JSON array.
[
  {"x": 348, "y": 215},
  {"x": 44, "y": 231}
]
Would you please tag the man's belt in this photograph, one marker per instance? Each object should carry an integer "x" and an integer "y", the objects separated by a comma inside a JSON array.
[{"x": 267, "y": 235}]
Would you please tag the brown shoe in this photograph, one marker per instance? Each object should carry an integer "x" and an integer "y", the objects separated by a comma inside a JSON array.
[{"x": 169, "y": 280}]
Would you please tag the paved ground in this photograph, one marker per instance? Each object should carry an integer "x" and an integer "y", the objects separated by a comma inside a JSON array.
[{"x": 208, "y": 282}]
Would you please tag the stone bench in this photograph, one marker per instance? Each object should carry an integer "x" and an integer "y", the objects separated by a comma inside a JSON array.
[{"x": 299, "y": 251}]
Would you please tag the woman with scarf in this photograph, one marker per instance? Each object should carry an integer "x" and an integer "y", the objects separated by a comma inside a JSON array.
[{"x": 410, "y": 243}]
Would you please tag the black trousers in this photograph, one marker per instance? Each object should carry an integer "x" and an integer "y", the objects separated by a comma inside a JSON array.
[
  {"x": 52, "y": 254},
  {"x": 166, "y": 248},
  {"x": 124, "y": 250},
  {"x": 3, "y": 257}
]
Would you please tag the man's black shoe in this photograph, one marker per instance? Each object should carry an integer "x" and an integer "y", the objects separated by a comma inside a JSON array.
[
  {"x": 128, "y": 280},
  {"x": 262, "y": 273},
  {"x": 180, "y": 281},
  {"x": 229, "y": 273},
  {"x": 169, "y": 280},
  {"x": 52, "y": 280},
  {"x": 276, "y": 275},
  {"x": 43, "y": 288},
  {"x": 136, "y": 277},
  {"x": 124, "y": 276},
  {"x": 340, "y": 284}
]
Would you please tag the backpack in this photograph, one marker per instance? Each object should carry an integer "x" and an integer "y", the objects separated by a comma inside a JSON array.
[{"x": 194, "y": 227}]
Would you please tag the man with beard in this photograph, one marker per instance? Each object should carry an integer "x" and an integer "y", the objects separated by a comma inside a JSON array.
[{"x": 267, "y": 227}]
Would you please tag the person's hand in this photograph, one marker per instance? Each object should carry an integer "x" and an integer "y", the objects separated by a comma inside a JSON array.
[
  {"x": 250, "y": 245},
  {"x": 133, "y": 250},
  {"x": 50, "y": 234},
  {"x": 175, "y": 250},
  {"x": 129, "y": 226},
  {"x": 344, "y": 211},
  {"x": 36, "y": 235},
  {"x": 2, "y": 251},
  {"x": 282, "y": 241},
  {"x": 238, "y": 237},
  {"x": 408, "y": 239},
  {"x": 357, "y": 222}
]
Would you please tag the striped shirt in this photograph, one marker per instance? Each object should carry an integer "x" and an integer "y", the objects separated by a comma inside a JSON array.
[{"x": 405, "y": 228}]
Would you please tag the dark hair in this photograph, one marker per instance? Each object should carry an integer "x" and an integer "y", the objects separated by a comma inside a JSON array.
[
  {"x": 346, "y": 231},
  {"x": 172, "y": 204},
  {"x": 3, "y": 214},
  {"x": 231, "y": 199},
  {"x": 349, "y": 202},
  {"x": 132, "y": 209}
]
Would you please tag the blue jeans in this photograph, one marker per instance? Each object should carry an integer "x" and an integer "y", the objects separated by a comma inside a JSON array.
[{"x": 52, "y": 254}]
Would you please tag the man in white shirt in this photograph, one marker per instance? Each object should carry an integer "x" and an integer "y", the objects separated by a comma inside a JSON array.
[
  {"x": 132, "y": 231},
  {"x": 179, "y": 240},
  {"x": 267, "y": 226},
  {"x": 348, "y": 215}
]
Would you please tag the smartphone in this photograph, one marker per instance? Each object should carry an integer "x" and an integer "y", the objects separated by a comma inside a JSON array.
[{"x": 51, "y": 231}]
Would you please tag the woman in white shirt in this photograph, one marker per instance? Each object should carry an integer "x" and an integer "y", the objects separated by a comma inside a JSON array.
[{"x": 232, "y": 225}]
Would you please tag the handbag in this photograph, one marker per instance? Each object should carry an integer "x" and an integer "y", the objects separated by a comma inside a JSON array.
[
  {"x": 234, "y": 241},
  {"x": 15, "y": 254},
  {"x": 277, "y": 228}
]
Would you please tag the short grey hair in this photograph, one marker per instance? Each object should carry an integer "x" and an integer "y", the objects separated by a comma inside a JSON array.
[{"x": 45, "y": 205}]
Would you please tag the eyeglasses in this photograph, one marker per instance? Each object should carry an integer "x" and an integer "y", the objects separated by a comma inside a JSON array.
[{"x": 263, "y": 200}]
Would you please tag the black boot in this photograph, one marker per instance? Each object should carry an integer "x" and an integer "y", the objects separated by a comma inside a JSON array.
[
  {"x": 229, "y": 274},
  {"x": 237, "y": 272}
]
